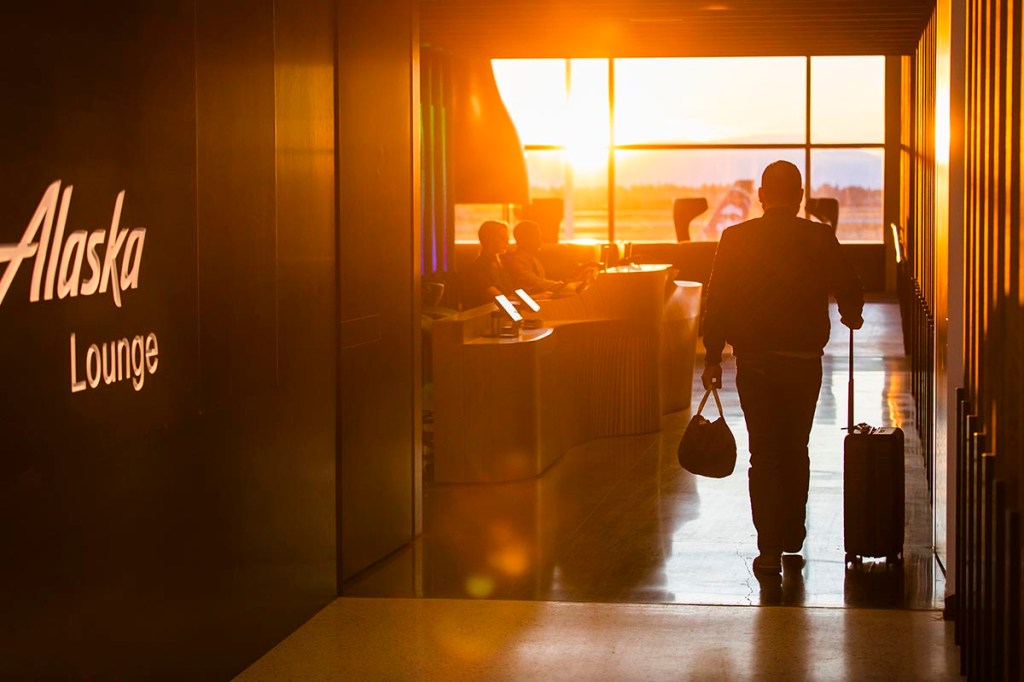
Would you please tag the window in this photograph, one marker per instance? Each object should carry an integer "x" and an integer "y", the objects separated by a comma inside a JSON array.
[
  {"x": 649, "y": 181},
  {"x": 854, "y": 177},
  {"x": 847, "y": 100},
  {"x": 703, "y": 101},
  {"x": 682, "y": 128}
]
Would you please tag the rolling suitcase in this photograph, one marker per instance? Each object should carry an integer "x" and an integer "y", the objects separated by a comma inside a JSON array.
[{"x": 873, "y": 497}]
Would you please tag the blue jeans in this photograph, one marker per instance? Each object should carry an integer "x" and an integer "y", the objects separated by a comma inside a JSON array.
[{"x": 778, "y": 395}]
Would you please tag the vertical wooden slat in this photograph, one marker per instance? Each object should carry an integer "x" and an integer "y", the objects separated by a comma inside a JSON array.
[
  {"x": 985, "y": 606},
  {"x": 997, "y": 581},
  {"x": 959, "y": 590},
  {"x": 1011, "y": 637},
  {"x": 989, "y": 493},
  {"x": 971, "y": 542}
]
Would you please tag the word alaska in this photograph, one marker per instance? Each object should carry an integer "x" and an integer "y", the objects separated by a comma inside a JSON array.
[{"x": 62, "y": 259}]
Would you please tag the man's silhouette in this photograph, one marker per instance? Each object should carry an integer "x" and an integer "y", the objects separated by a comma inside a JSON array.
[
  {"x": 486, "y": 277},
  {"x": 768, "y": 297},
  {"x": 523, "y": 266}
]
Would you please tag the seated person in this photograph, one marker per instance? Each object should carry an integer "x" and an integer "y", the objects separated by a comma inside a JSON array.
[
  {"x": 523, "y": 265},
  {"x": 486, "y": 277}
]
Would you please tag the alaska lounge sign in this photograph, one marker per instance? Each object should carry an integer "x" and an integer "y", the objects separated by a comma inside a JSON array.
[{"x": 84, "y": 263}]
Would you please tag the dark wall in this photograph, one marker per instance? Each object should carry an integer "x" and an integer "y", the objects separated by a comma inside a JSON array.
[
  {"x": 181, "y": 529},
  {"x": 378, "y": 186}
]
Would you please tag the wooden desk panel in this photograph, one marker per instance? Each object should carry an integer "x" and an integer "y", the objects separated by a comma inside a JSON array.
[{"x": 608, "y": 362}]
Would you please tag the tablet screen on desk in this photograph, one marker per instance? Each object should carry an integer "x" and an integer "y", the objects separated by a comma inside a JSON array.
[
  {"x": 507, "y": 306},
  {"x": 527, "y": 300}
]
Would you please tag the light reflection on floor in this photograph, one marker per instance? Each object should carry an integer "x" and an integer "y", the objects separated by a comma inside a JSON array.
[{"x": 617, "y": 520}]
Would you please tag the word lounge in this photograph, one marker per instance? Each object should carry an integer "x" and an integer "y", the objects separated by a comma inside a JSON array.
[{"x": 114, "y": 361}]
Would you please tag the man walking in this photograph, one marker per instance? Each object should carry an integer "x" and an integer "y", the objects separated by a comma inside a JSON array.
[{"x": 768, "y": 296}]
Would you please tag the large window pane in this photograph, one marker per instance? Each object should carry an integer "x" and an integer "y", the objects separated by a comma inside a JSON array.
[
  {"x": 587, "y": 212},
  {"x": 586, "y": 203},
  {"x": 534, "y": 93},
  {"x": 648, "y": 182},
  {"x": 847, "y": 100},
  {"x": 469, "y": 217},
  {"x": 691, "y": 102},
  {"x": 854, "y": 177},
  {"x": 545, "y": 112},
  {"x": 546, "y": 173},
  {"x": 721, "y": 100},
  {"x": 589, "y": 121},
  {"x": 587, "y": 150}
]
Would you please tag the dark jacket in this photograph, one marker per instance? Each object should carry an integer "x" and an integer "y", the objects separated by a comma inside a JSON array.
[
  {"x": 770, "y": 285},
  {"x": 482, "y": 274},
  {"x": 525, "y": 271}
]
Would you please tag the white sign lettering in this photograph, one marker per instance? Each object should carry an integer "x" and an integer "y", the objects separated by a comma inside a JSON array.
[
  {"x": 113, "y": 361},
  {"x": 113, "y": 258},
  {"x": 62, "y": 259}
]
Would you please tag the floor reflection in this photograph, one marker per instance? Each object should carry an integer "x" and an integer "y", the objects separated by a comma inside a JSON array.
[
  {"x": 876, "y": 585},
  {"x": 787, "y": 589},
  {"x": 617, "y": 520}
]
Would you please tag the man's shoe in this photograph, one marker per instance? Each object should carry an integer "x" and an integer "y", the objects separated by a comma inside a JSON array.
[{"x": 768, "y": 562}]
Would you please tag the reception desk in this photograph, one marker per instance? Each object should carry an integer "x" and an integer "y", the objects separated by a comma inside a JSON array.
[{"x": 609, "y": 361}]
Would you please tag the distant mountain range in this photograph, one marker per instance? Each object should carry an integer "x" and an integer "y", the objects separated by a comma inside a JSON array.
[
  {"x": 841, "y": 167},
  {"x": 693, "y": 168}
]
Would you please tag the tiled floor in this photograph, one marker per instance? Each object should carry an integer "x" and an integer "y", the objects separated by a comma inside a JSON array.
[{"x": 617, "y": 520}]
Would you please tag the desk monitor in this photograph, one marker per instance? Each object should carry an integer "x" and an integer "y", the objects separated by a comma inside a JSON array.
[
  {"x": 506, "y": 305},
  {"x": 527, "y": 300}
]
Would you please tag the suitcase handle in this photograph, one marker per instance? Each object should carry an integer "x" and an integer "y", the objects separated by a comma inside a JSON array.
[{"x": 849, "y": 396}]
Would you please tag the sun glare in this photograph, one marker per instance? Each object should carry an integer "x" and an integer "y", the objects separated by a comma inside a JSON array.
[
  {"x": 586, "y": 158},
  {"x": 692, "y": 101},
  {"x": 546, "y": 111},
  {"x": 588, "y": 133},
  {"x": 586, "y": 141},
  {"x": 570, "y": 108}
]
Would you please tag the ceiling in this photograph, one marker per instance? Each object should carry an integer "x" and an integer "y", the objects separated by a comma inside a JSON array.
[{"x": 680, "y": 28}]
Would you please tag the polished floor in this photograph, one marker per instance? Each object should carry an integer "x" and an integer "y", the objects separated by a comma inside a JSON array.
[
  {"x": 617, "y": 521},
  {"x": 662, "y": 557},
  {"x": 442, "y": 639}
]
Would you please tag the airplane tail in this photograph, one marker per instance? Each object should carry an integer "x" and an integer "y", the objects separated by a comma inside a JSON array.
[{"x": 734, "y": 208}]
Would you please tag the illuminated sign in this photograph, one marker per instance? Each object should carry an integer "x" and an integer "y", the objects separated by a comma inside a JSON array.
[
  {"x": 79, "y": 246},
  {"x": 113, "y": 259}
]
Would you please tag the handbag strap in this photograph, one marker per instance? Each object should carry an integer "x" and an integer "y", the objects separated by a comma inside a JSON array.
[{"x": 718, "y": 402}]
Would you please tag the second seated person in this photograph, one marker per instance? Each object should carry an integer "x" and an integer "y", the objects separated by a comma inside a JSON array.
[
  {"x": 524, "y": 267},
  {"x": 486, "y": 277}
]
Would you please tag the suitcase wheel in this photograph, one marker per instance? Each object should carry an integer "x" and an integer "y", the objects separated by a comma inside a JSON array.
[{"x": 856, "y": 561}]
